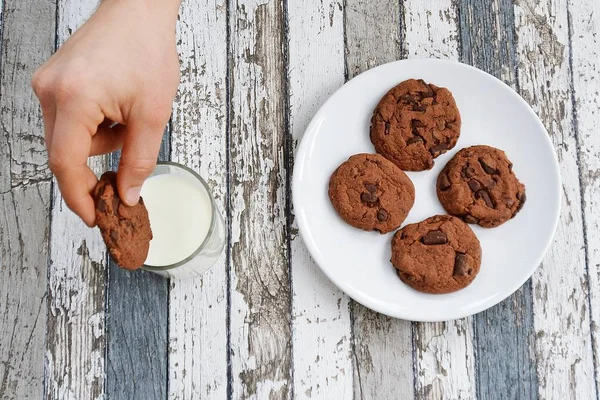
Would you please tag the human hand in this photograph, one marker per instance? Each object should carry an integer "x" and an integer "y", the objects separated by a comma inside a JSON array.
[{"x": 120, "y": 66}]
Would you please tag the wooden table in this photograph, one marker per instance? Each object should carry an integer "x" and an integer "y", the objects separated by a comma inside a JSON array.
[{"x": 265, "y": 323}]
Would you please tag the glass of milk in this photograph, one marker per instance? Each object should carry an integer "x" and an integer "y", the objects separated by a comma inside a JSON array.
[{"x": 187, "y": 228}]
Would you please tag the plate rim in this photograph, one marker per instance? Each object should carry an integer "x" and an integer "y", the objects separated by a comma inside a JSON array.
[{"x": 301, "y": 154}]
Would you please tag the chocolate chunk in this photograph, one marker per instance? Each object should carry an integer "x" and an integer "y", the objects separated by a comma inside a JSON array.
[
  {"x": 469, "y": 219},
  {"x": 387, "y": 128},
  {"x": 382, "y": 215},
  {"x": 115, "y": 204},
  {"x": 414, "y": 124},
  {"x": 114, "y": 235},
  {"x": 429, "y": 92},
  {"x": 414, "y": 139},
  {"x": 435, "y": 150},
  {"x": 482, "y": 194},
  {"x": 510, "y": 167},
  {"x": 468, "y": 172},
  {"x": 461, "y": 265},
  {"x": 434, "y": 238},
  {"x": 101, "y": 205},
  {"x": 474, "y": 185},
  {"x": 419, "y": 107},
  {"x": 369, "y": 198},
  {"x": 450, "y": 125},
  {"x": 521, "y": 197},
  {"x": 444, "y": 182},
  {"x": 509, "y": 201},
  {"x": 487, "y": 168},
  {"x": 371, "y": 188},
  {"x": 491, "y": 184},
  {"x": 408, "y": 98}
]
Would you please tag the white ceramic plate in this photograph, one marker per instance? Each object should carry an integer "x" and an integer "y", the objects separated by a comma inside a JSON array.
[{"x": 357, "y": 261}]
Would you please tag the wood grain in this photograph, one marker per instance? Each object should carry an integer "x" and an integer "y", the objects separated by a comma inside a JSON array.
[
  {"x": 320, "y": 316},
  {"x": 23, "y": 259},
  {"x": 137, "y": 327},
  {"x": 584, "y": 23},
  {"x": 382, "y": 346},
  {"x": 504, "y": 365},
  {"x": 445, "y": 362},
  {"x": 24, "y": 199},
  {"x": 198, "y": 307},
  {"x": 76, "y": 339},
  {"x": 260, "y": 284},
  {"x": 562, "y": 348}
]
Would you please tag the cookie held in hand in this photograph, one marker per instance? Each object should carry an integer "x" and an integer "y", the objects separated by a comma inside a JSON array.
[
  {"x": 125, "y": 230},
  {"x": 369, "y": 192}
]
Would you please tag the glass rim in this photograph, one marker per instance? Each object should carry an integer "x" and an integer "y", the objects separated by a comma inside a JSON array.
[{"x": 213, "y": 209}]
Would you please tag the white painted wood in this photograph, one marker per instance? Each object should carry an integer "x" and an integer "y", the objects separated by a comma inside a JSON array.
[
  {"x": 76, "y": 340},
  {"x": 585, "y": 48},
  {"x": 321, "y": 326},
  {"x": 561, "y": 306},
  {"x": 431, "y": 29},
  {"x": 198, "y": 307},
  {"x": 445, "y": 362},
  {"x": 24, "y": 199},
  {"x": 382, "y": 346},
  {"x": 260, "y": 329}
]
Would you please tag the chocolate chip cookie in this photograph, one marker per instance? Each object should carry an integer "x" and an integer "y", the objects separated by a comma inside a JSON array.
[
  {"x": 125, "y": 230},
  {"x": 479, "y": 186},
  {"x": 438, "y": 255},
  {"x": 371, "y": 193},
  {"x": 414, "y": 123}
]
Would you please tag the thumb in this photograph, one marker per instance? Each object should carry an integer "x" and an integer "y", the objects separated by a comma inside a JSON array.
[{"x": 138, "y": 158}]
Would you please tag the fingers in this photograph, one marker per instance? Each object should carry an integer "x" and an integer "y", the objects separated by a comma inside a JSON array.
[
  {"x": 71, "y": 141},
  {"x": 139, "y": 155},
  {"x": 40, "y": 87}
]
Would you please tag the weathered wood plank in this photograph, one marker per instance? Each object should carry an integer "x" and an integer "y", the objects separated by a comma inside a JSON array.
[
  {"x": 584, "y": 20},
  {"x": 445, "y": 363},
  {"x": 137, "y": 328},
  {"x": 373, "y": 34},
  {"x": 24, "y": 229},
  {"x": 198, "y": 307},
  {"x": 504, "y": 365},
  {"x": 76, "y": 340},
  {"x": 25, "y": 191},
  {"x": 382, "y": 346},
  {"x": 562, "y": 348},
  {"x": 260, "y": 286},
  {"x": 321, "y": 320}
]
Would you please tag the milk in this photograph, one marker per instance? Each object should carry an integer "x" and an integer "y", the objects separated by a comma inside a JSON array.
[{"x": 180, "y": 212}]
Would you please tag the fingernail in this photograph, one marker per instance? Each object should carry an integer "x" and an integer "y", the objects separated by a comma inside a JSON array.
[{"x": 133, "y": 195}]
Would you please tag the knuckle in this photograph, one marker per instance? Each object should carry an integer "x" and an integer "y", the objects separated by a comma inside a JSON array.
[
  {"x": 68, "y": 87},
  {"x": 157, "y": 115},
  {"x": 41, "y": 83},
  {"x": 57, "y": 164},
  {"x": 139, "y": 168}
]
